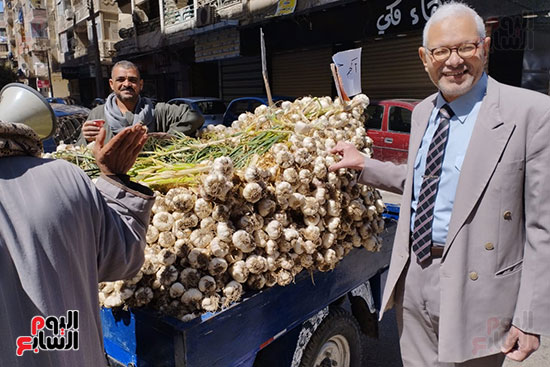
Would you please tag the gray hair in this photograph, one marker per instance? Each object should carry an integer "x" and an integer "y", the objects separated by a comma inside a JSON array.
[
  {"x": 453, "y": 9},
  {"x": 125, "y": 64}
]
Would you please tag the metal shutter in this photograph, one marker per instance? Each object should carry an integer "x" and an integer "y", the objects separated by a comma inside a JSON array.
[
  {"x": 391, "y": 68},
  {"x": 302, "y": 73},
  {"x": 241, "y": 77}
]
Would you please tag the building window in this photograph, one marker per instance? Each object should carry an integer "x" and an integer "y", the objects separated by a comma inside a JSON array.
[
  {"x": 3, "y": 48},
  {"x": 37, "y": 4},
  {"x": 61, "y": 6},
  {"x": 97, "y": 27},
  {"x": 110, "y": 29},
  {"x": 39, "y": 30}
]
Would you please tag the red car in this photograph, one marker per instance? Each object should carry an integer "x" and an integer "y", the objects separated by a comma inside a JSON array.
[{"x": 389, "y": 125}]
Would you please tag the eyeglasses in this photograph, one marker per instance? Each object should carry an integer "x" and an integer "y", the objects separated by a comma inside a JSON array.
[{"x": 465, "y": 51}]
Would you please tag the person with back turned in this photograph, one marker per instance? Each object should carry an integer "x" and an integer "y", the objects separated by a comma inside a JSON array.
[{"x": 60, "y": 235}]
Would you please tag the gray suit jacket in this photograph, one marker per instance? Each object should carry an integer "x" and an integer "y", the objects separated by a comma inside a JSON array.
[{"x": 495, "y": 268}]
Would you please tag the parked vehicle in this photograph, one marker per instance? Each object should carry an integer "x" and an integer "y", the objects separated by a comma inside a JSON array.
[
  {"x": 317, "y": 320},
  {"x": 62, "y": 100},
  {"x": 246, "y": 104},
  {"x": 96, "y": 102},
  {"x": 211, "y": 108},
  {"x": 69, "y": 123},
  {"x": 56, "y": 100},
  {"x": 389, "y": 125}
]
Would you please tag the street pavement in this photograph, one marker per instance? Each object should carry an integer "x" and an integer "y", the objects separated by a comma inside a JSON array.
[{"x": 384, "y": 351}]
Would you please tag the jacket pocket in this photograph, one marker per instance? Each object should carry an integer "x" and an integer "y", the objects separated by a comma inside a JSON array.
[{"x": 509, "y": 270}]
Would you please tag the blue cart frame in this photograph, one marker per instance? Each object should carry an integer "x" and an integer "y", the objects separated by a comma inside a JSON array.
[{"x": 233, "y": 337}]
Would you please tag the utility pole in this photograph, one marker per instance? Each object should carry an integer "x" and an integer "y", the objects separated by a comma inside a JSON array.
[
  {"x": 97, "y": 60},
  {"x": 49, "y": 71}
]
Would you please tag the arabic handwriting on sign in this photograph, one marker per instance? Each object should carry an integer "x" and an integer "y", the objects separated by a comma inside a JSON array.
[
  {"x": 349, "y": 70},
  {"x": 392, "y": 18},
  {"x": 352, "y": 66}
]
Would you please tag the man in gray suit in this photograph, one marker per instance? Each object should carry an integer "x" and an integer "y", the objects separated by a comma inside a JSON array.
[{"x": 470, "y": 270}]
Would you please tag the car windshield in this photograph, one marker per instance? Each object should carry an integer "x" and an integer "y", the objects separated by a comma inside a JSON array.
[
  {"x": 239, "y": 107},
  {"x": 211, "y": 107},
  {"x": 400, "y": 119},
  {"x": 374, "y": 116}
]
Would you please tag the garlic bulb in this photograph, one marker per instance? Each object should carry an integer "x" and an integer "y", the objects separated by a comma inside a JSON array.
[
  {"x": 239, "y": 271},
  {"x": 163, "y": 221},
  {"x": 252, "y": 192},
  {"x": 242, "y": 241},
  {"x": 207, "y": 285}
]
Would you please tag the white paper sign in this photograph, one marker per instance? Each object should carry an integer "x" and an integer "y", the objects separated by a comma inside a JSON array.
[{"x": 349, "y": 69}]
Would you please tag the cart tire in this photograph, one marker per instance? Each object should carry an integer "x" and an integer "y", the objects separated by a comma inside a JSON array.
[{"x": 336, "y": 343}]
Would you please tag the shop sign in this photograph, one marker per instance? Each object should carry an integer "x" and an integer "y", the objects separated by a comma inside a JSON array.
[
  {"x": 395, "y": 16},
  {"x": 217, "y": 45},
  {"x": 348, "y": 64},
  {"x": 43, "y": 83},
  {"x": 285, "y": 7}
]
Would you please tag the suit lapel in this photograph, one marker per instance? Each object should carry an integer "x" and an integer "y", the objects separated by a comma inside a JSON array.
[
  {"x": 486, "y": 146},
  {"x": 416, "y": 139}
]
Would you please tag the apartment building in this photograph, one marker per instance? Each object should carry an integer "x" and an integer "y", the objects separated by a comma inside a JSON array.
[
  {"x": 27, "y": 43},
  {"x": 76, "y": 52},
  {"x": 4, "y": 45}
]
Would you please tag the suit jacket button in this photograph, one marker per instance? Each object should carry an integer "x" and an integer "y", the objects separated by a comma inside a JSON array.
[
  {"x": 489, "y": 246},
  {"x": 473, "y": 275},
  {"x": 507, "y": 215}
]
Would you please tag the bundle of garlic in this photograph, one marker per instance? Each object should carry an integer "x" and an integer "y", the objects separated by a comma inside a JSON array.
[{"x": 248, "y": 221}]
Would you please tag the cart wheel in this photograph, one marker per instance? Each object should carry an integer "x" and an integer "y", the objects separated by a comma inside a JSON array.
[{"x": 336, "y": 343}]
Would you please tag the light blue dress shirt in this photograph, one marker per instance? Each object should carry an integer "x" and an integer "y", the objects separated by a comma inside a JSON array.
[{"x": 466, "y": 109}]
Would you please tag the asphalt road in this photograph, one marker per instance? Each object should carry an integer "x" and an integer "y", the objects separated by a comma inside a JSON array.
[{"x": 384, "y": 351}]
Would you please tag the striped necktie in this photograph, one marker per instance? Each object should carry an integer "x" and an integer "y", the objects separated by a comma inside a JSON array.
[{"x": 422, "y": 233}]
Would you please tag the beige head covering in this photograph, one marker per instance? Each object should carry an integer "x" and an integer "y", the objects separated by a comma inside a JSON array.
[{"x": 18, "y": 139}]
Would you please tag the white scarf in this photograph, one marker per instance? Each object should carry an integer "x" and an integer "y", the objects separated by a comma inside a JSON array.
[{"x": 143, "y": 113}]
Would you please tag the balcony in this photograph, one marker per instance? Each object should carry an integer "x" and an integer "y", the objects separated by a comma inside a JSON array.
[
  {"x": 39, "y": 44},
  {"x": 39, "y": 16},
  {"x": 176, "y": 19},
  {"x": 149, "y": 26},
  {"x": 208, "y": 12}
]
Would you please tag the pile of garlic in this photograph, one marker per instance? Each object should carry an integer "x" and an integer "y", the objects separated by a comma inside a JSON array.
[{"x": 260, "y": 226}]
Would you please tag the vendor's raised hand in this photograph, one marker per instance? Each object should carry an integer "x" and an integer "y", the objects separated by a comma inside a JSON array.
[
  {"x": 351, "y": 157},
  {"x": 120, "y": 153}
]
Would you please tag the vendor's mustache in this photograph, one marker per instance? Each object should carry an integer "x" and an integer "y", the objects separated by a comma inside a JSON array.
[{"x": 128, "y": 88}]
